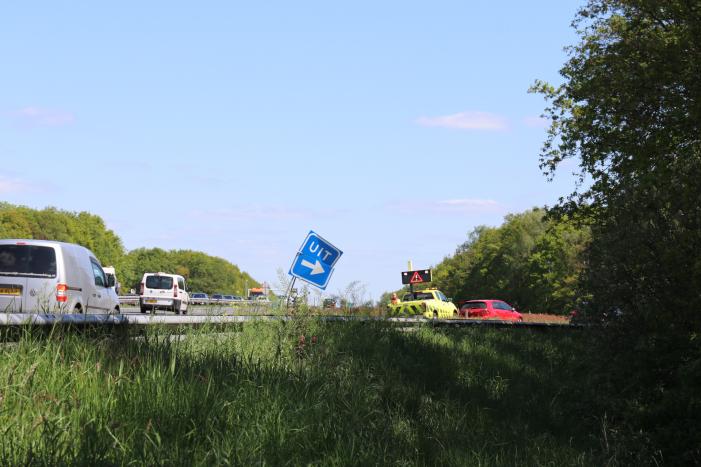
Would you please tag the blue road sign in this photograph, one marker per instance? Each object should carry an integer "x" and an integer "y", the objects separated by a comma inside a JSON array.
[{"x": 315, "y": 260}]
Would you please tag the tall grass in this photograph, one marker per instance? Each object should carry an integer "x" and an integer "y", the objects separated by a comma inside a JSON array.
[{"x": 343, "y": 394}]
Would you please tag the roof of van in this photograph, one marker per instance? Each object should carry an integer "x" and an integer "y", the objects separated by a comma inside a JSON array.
[{"x": 32, "y": 241}]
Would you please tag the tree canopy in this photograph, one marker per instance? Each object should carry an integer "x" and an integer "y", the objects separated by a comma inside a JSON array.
[
  {"x": 629, "y": 111},
  {"x": 531, "y": 261},
  {"x": 203, "y": 272}
]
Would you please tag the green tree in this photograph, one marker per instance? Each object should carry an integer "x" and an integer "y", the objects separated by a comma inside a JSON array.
[
  {"x": 531, "y": 261},
  {"x": 629, "y": 111}
]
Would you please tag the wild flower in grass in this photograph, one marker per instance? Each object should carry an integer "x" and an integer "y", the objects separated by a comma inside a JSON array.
[{"x": 300, "y": 348}]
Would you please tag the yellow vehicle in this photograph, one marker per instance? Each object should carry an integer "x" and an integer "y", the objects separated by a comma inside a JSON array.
[{"x": 431, "y": 303}]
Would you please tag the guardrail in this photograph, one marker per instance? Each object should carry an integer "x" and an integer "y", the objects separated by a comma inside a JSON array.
[
  {"x": 42, "y": 319},
  {"x": 134, "y": 300}
]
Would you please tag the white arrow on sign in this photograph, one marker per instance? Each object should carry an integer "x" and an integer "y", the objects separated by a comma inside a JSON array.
[{"x": 316, "y": 268}]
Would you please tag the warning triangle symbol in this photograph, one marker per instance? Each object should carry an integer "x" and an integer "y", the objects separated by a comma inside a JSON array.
[{"x": 416, "y": 278}]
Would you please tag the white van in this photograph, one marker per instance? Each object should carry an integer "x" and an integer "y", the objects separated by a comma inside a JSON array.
[
  {"x": 165, "y": 291},
  {"x": 42, "y": 276},
  {"x": 112, "y": 277}
]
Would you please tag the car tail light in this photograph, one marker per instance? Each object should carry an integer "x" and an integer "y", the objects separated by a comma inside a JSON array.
[
  {"x": 141, "y": 288},
  {"x": 61, "y": 292},
  {"x": 175, "y": 290}
]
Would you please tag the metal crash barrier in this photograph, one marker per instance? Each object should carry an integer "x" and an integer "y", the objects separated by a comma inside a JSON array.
[{"x": 42, "y": 319}]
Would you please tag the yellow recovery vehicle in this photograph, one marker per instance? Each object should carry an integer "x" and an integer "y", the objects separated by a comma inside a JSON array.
[{"x": 431, "y": 303}]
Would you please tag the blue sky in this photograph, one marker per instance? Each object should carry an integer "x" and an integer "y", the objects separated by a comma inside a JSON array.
[{"x": 390, "y": 128}]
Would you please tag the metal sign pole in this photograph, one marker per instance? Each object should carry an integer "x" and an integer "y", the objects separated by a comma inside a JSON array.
[{"x": 289, "y": 291}]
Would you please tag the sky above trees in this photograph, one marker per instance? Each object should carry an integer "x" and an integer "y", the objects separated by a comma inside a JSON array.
[{"x": 392, "y": 130}]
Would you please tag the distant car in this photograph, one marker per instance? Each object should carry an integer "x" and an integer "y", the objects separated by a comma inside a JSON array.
[
  {"x": 237, "y": 298},
  {"x": 228, "y": 298},
  {"x": 165, "y": 291},
  {"x": 216, "y": 298},
  {"x": 490, "y": 309},
  {"x": 199, "y": 298}
]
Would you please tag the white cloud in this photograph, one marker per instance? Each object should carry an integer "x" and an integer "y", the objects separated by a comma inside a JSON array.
[
  {"x": 466, "y": 121},
  {"x": 12, "y": 185},
  {"x": 38, "y": 116},
  {"x": 536, "y": 122},
  {"x": 251, "y": 213},
  {"x": 450, "y": 206}
]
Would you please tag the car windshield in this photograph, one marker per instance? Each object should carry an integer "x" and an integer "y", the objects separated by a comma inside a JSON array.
[
  {"x": 502, "y": 306},
  {"x": 27, "y": 260},
  {"x": 474, "y": 305},
  {"x": 418, "y": 296},
  {"x": 159, "y": 282},
  {"x": 198, "y": 295}
]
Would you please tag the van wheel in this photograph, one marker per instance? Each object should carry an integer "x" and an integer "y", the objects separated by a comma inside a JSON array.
[
  {"x": 143, "y": 309},
  {"x": 176, "y": 308},
  {"x": 78, "y": 309}
]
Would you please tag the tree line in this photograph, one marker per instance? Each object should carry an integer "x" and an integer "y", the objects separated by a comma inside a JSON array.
[
  {"x": 203, "y": 272},
  {"x": 533, "y": 261}
]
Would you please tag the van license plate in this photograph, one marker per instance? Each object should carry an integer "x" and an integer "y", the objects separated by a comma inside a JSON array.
[
  {"x": 151, "y": 301},
  {"x": 10, "y": 290}
]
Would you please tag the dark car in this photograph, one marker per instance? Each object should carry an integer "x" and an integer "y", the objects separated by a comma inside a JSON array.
[
  {"x": 217, "y": 298},
  {"x": 199, "y": 298},
  {"x": 489, "y": 309}
]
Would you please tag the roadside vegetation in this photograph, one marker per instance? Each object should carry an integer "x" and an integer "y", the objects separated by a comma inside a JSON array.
[
  {"x": 204, "y": 273},
  {"x": 296, "y": 393}
]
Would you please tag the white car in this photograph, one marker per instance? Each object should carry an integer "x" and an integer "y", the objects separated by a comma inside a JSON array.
[
  {"x": 160, "y": 290},
  {"x": 42, "y": 276}
]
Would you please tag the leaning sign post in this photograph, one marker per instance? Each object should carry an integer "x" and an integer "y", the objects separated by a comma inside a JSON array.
[{"x": 314, "y": 261}]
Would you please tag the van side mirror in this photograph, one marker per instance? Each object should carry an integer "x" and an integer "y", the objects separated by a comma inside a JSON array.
[{"x": 110, "y": 280}]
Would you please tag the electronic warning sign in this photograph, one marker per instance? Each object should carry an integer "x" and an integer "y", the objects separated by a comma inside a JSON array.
[{"x": 416, "y": 277}]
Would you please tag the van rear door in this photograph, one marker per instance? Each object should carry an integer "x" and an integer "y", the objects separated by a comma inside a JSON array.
[{"x": 27, "y": 277}]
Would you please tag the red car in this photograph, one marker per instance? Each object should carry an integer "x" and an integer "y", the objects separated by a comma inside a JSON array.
[{"x": 494, "y": 309}]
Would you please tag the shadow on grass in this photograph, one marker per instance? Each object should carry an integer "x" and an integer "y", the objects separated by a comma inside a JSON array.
[{"x": 346, "y": 394}]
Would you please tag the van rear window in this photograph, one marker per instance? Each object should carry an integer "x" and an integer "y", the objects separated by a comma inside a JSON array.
[
  {"x": 159, "y": 282},
  {"x": 27, "y": 260}
]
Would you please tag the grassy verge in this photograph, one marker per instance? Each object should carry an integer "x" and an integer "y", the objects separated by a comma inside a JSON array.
[{"x": 344, "y": 394}]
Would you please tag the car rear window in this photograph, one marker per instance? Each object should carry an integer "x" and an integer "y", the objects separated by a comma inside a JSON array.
[
  {"x": 418, "y": 296},
  {"x": 159, "y": 282},
  {"x": 475, "y": 305},
  {"x": 27, "y": 260},
  {"x": 198, "y": 295}
]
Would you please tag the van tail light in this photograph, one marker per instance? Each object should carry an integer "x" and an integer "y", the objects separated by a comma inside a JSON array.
[
  {"x": 61, "y": 293},
  {"x": 141, "y": 288},
  {"x": 175, "y": 290}
]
